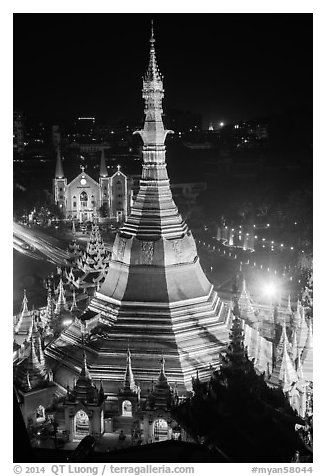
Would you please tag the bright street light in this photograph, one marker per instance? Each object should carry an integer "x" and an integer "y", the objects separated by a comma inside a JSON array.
[{"x": 270, "y": 289}]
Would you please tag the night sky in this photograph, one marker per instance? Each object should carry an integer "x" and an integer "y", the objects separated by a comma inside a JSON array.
[{"x": 225, "y": 66}]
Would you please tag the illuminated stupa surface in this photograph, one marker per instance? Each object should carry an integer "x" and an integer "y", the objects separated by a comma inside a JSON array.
[{"x": 156, "y": 298}]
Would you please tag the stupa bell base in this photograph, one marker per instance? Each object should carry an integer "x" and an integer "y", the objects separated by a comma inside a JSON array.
[{"x": 190, "y": 335}]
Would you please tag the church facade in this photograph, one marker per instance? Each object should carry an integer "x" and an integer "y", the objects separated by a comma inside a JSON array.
[{"x": 84, "y": 198}]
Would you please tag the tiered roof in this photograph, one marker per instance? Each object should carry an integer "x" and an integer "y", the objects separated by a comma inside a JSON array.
[
  {"x": 95, "y": 257},
  {"x": 245, "y": 303},
  {"x": 84, "y": 390},
  {"x": 31, "y": 374},
  {"x": 161, "y": 395}
]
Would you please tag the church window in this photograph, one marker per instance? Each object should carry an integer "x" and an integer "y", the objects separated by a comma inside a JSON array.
[
  {"x": 74, "y": 204},
  {"x": 83, "y": 199}
]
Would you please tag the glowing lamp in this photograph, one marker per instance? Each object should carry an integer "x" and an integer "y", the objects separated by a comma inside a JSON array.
[
  {"x": 66, "y": 322},
  {"x": 270, "y": 289}
]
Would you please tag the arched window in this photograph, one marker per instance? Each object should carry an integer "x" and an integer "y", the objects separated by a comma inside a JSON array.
[
  {"x": 81, "y": 423},
  {"x": 83, "y": 199},
  {"x": 40, "y": 414},
  {"x": 161, "y": 429},
  {"x": 74, "y": 201},
  {"x": 126, "y": 408}
]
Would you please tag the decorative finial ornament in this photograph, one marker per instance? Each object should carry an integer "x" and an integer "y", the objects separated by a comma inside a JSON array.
[
  {"x": 163, "y": 363},
  {"x": 152, "y": 40}
]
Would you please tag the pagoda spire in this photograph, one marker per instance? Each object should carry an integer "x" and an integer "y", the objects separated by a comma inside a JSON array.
[
  {"x": 61, "y": 303},
  {"x": 153, "y": 132},
  {"x": 24, "y": 304},
  {"x": 59, "y": 168},
  {"x": 74, "y": 306},
  {"x": 49, "y": 305},
  {"x": 307, "y": 356},
  {"x": 35, "y": 332},
  {"x": 295, "y": 352},
  {"x": 162, "y": 377},
  {"x": 284, "y": 341},
  {"x": 32, "y": 358},
  {"x": 129, "y": 381},
  {"x": 84, "y": 371},
  {"x": 284, "y": 373},
  {"x": 103, "y": 169}
]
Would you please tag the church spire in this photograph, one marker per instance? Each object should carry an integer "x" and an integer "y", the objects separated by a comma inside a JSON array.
[
  {"x": 58, "y": 168},
  {"x": 103, "y": 169}
]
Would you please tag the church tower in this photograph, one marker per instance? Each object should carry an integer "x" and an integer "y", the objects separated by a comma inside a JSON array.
[
  {"x": 59, "y": 184},
  {"x": 104, "y": 183},
  {"x": 155, "y": 295}
]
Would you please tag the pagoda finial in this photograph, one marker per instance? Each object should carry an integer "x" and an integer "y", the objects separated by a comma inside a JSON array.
[
  {"x": 85, "y": 372},
  {"x": 163, "y": 365},
  {"x": 129, "y": 382},
  {"x": 289, "y": 309},
  {"x": 24, "y": 304},
  {"x": 35, "y": 331},
  {"x": 152, "y": 39},
  {"x": 61, "y": 303},
  {"x": 74, "y": 306}
]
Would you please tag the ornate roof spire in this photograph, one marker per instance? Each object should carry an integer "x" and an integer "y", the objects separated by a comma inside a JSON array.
[
  {"x": 284, "y": 341},
  {"x": 153, "y": 72},
  {"x": 103, "y": 169},
  {"x": 129, "y": 381},
  {"x": 58, "y": 168},
  {"x": 61, "y": 303},
  {"x": 162, "y": 376},
  {"x": 307, "y": 355},
  {"x": 84, "y": 390},
  {"x": 35, "y": 332},
  {"x": 74, "y": 306},
  {"x": 84, "y": 371},
  {"x": 284, "y": 373},
  {"x": 24, "y": 304},
  {"x": 289, "y": 309}
]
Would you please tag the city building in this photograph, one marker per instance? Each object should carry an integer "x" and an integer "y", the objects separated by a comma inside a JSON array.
[
  {"x": 18, "y": 134},
  {"x": 84, "y": 198}
]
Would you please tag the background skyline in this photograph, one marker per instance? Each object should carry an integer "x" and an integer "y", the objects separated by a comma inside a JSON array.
[{"x": 228, "y": 67}]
